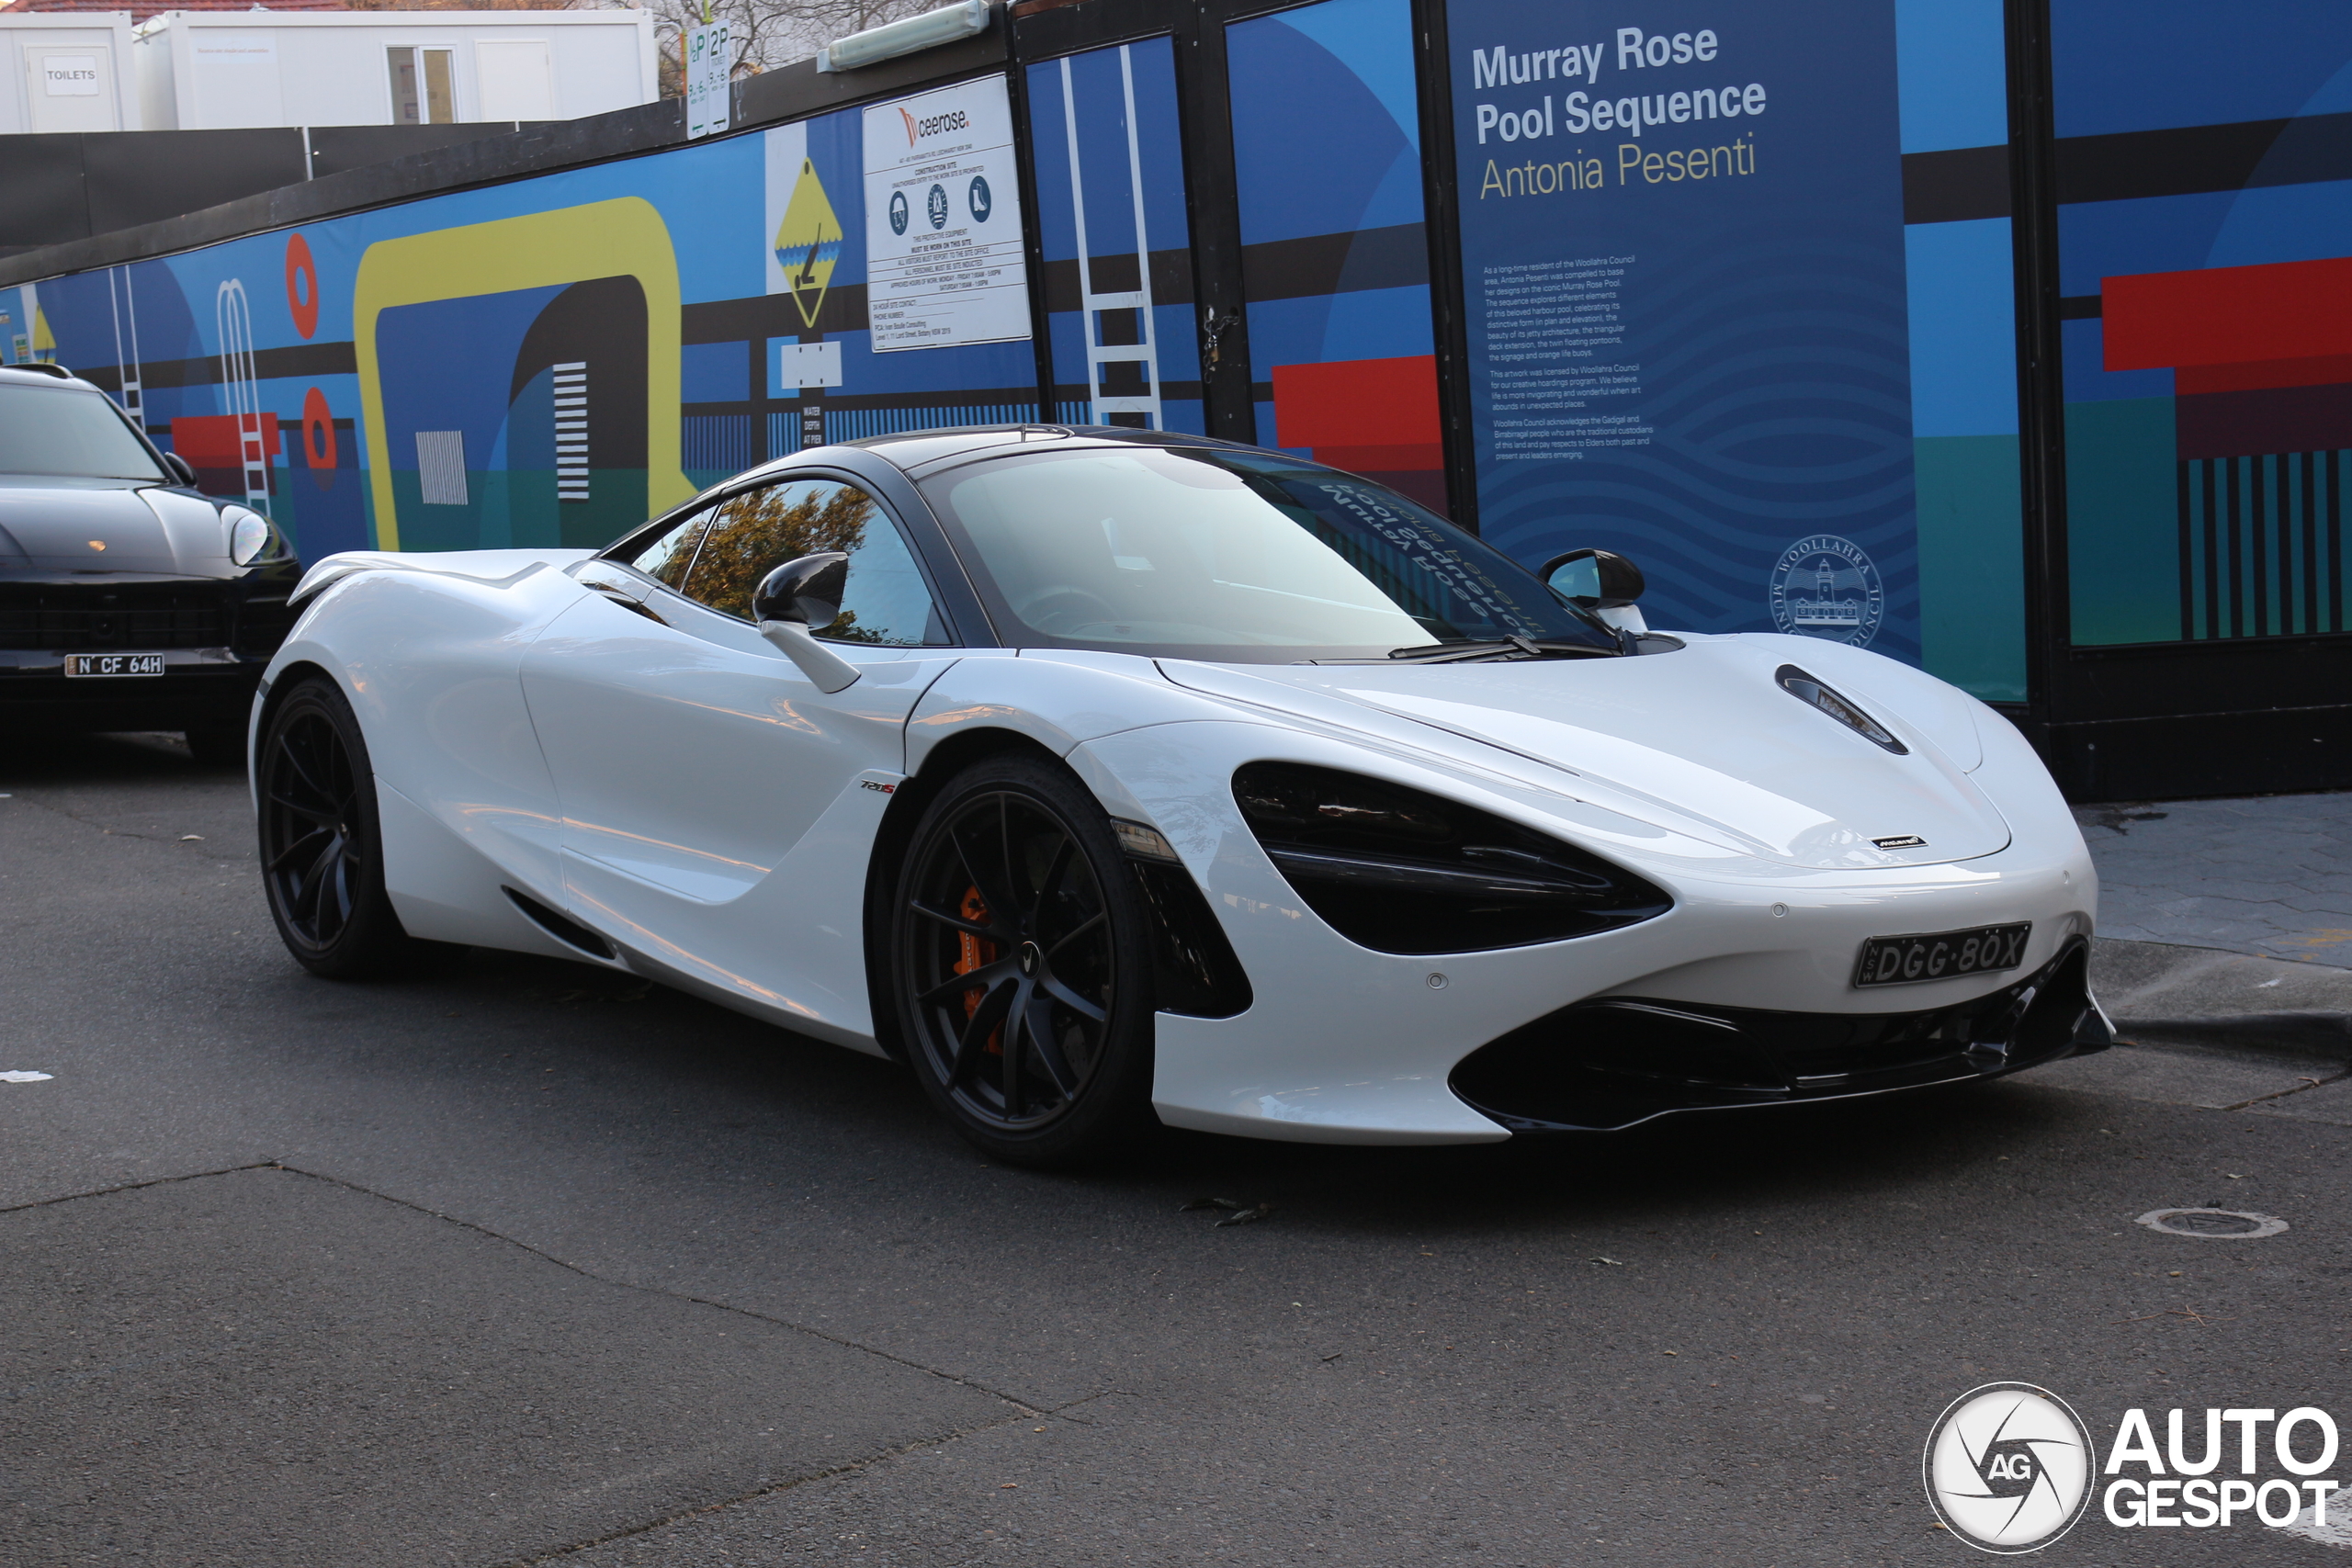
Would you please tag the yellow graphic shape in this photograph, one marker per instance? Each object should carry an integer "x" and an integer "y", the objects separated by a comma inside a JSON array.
[
  {"x": 44, "y": 341},
  {"x": 571, "y": 244},
  {"x": 807, "y": 243}
]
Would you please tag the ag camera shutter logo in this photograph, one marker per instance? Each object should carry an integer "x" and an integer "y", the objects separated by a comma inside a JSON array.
[{"x": 2008, "y": 1467}]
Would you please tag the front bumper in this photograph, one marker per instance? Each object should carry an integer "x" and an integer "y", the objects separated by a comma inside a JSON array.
[
  {"x": 201, "y": 688},
  {"x": 1607, "y": 1064},
  {"x": 1342, "y": 1044},
  {"x": 216, "y": 636}
]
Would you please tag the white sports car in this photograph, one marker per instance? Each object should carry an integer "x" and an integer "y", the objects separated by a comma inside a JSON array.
[{"x": 1100, "y": 775}]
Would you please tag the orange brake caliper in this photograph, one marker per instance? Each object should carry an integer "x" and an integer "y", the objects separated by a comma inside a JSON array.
[{"x": 974, "y": 952}]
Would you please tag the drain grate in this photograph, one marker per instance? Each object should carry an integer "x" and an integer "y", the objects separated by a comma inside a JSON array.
[{"x": 2212, "y": 1225}]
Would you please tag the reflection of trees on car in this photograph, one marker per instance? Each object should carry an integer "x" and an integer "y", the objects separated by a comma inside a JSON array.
[{"x": 752, "y": 535}]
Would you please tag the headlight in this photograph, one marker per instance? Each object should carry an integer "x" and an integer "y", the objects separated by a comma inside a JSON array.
[
  {"x": 1810, "y": 690},
  {"x": 1400, "y": 870},
  {"x": 250, "y": 536}
]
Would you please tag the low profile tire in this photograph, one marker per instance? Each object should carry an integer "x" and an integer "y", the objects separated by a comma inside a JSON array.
[
  {"x": 222, "y": 746},
  {"x": 322, "y": 846},
  {"x": 1020, "y": 966}
]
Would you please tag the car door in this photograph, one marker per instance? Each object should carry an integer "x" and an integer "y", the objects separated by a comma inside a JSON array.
[{"x": 717, "y": 808}]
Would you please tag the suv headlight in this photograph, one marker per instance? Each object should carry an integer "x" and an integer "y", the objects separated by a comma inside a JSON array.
[
  {"x": 250, "y": 536},
  {"x": 1397, "y": 870}
]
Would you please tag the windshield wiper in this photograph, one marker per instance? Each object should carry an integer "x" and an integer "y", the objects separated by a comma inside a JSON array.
[{"x": 1508, "y": 647}]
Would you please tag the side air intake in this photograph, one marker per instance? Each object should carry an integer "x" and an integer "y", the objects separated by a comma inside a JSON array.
[{"x": 569, "y": 933}]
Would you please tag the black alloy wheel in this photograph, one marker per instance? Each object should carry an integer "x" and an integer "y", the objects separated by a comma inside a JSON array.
[
  {"x": 1020, "y": 966},
  {"x": 321, "y": 847}
]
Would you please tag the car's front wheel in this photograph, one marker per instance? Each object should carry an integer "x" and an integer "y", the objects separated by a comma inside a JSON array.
[
  {"x": 322, "y": 846},
  {"x": 1020, "y": 966}
]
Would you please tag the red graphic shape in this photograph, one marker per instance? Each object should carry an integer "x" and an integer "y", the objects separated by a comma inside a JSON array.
[
  {"x": 1374, "y": 417},
  {"x": 2261, "y": 356},
  {"x": 2228, "y": 315},
  {"x": 301, "y": 285},
  {"x": 318, "y": 437},
  {"x": 213, "y": 440}
]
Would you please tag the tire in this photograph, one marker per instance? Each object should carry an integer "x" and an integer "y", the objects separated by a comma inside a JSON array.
[
  {"x": 220, "y": 746},
  {"x": 322, "y": 845},
  {"x": 1020, "y": 967}
]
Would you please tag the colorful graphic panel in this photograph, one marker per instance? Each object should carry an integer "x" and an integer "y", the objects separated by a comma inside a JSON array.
[
  {"x": 541, "y": 363},
  {"x": 1960, "y": 277},
  {"x": 1335, "y": 260},
  {"x": 1117, "y": 240},
  {"x": 2205, "y": 242}
]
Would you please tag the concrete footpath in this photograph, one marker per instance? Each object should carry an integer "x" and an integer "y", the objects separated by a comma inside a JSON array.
[{"x": 2225, "y": 929}]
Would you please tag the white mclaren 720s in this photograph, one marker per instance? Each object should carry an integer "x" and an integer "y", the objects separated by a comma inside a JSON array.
[{"x": 1103, "y": 775}]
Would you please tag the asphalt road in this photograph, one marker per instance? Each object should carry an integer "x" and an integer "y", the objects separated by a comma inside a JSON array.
[{"x": 513, "y": 1262}]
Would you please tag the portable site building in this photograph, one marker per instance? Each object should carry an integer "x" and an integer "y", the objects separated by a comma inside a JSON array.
[
  {"x": 215, "y": 70},
  {"x": 66, "y": 72}
]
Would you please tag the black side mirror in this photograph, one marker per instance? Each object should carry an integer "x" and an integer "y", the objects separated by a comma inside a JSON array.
[
  {"x": 1599, "y": 580},
  {"x": 807, "y": 591},
  {"x": 180, "y": 467}
]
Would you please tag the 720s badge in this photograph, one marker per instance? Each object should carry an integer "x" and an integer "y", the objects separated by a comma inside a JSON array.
[{"x": 1942, "y": 955}]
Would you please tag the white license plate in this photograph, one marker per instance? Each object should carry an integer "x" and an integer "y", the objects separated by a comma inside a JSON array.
[{"x": 114, "y": 664}]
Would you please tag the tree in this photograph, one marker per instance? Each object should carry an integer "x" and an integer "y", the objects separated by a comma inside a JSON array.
[
  {"x": 767, "y": 33},
  {"x": 755, "y": 534}
]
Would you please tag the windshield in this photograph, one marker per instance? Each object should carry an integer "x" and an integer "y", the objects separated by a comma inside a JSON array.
[
  {"x": 69, "y": 433},
  {"x": 1201, "y": 553}
]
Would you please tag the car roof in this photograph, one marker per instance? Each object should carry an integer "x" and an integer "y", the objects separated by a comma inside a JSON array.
[
  {"x": 916, "y": 453},
  {"x": 42, "y": 374}
]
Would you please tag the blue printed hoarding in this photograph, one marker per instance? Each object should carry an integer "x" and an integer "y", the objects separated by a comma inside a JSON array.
[{"x": 1683, "y": 261}]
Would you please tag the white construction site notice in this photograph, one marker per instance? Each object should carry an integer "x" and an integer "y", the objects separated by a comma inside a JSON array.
[{"x": 945, "y": 264}]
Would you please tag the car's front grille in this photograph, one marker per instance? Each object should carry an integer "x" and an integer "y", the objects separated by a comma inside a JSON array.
[
  {"x": 71, "y": 617},
  {"x": 1609, "y": 1063}
]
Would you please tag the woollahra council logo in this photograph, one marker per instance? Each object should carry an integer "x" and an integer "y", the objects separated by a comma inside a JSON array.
[
  {"x": 2008, "y": 1467},
  {"x": 1827, "y": 587}
]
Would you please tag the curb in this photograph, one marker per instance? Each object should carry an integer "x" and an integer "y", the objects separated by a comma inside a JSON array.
[
  {"x": 2323, "y": 1035},
  {"x": 2159, "y": 994}
]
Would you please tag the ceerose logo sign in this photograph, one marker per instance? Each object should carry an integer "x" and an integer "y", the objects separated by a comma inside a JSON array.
[
  {"x": 2008, "y": 1467},
  {"x": 938, "y": 124}
]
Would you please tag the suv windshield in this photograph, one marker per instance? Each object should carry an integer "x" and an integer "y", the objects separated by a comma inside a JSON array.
[
  {"x": 1206, "y": 553},
  {"x": 69, "y": 433}
]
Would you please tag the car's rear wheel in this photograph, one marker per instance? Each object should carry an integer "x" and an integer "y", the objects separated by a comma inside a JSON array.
[
  {"x": 1020, "y": 966},
  {"x": 322, "y": 846}
]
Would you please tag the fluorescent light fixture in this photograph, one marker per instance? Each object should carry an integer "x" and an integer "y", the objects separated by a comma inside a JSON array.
[{"x": 894, "y": 39}]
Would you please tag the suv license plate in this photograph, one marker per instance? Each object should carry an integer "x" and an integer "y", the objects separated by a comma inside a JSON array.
[
  {"x": 1942, "y": 955},
  {"x": 114, "y": 664}
]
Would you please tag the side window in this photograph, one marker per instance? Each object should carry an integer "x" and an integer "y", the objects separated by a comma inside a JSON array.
[
  {"x": 671, "y": 551},
  {"x": 752, "y": 533}
]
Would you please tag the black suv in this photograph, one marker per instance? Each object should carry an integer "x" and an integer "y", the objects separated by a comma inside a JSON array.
[{"x": 128, "y": 599}]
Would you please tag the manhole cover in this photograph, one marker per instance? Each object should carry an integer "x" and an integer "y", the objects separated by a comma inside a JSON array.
[{"x": 2212, "y": 1225}]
